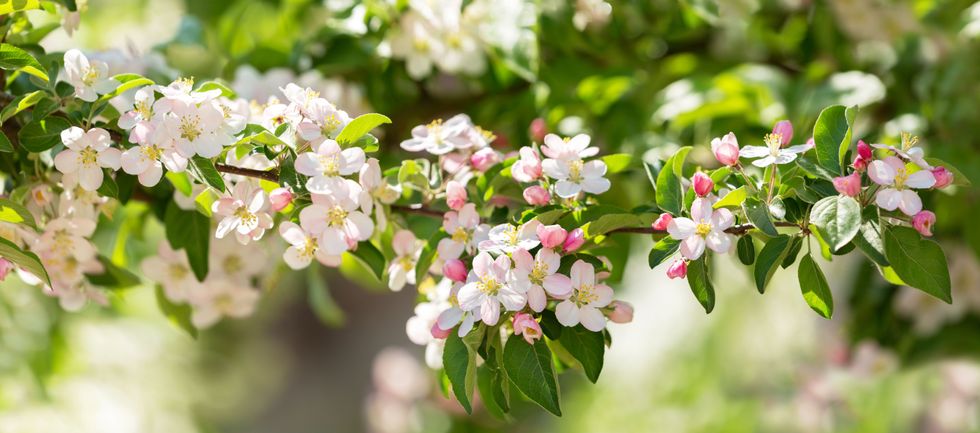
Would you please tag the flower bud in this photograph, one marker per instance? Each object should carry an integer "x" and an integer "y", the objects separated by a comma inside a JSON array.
[
  {"x": 574, "y": 240},
  {"x": 526, "y": 326},
  {"x": 5, "y": 267},
  {"x": 622, "y": 312},
  {"x": 455, "y": 270},
  {"x": 528, "y": 167},
  {"x": 923, "y": 222},
  {"x": 943, "y": 177},
  {"x": 279, "y": 198},
  {"x": 536, "y": 195},
  {"x": 455, "y": 195},
  {"x": 484, "y": 158},
  {"x": 726, "y": 149},
  {"x": 551, "y": 236},
  {"x": 864, "y": 151},
  {"x": 703, "y": 185},
  {"x": 849, "y": 185},
  {"x": 538, "y": 129},
  {"x": 785, "y": 131},
  {"x": 439, "y": 333},
  {"x": 677, "y": 269},
  {"x": 662, "y": 222}
]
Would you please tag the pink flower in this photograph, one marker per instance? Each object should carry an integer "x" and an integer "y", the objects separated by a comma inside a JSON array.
[
  {"x": 849, "y": 185},
  {"x": 784, "y": 129},
  {"x": 243, "y": 212},
  {"x": 943, "y": 177},
  {"x": 537, "y": 277},
  {"x": 538, "y": 129},
  {"x": 439, "y": 333},
  {"x": 279, "y": 198},
  {"x": 551, "y": 236},
  {"x": 662, "y": 222},
  {"x": 85, "y": 154},
  {"x": 455, "y": 270},
  {"x": 456, "y": 195},
  {"x": 864, "y": 156},
  {"x": 5, "y": 267},
  {"x": 706, "y": 227},
  {"x": 484, "y": 158},
  {"x": 574, "y": 240},
  {"x": 487, "y": 288},
  {"x": 536, "y": 195},
  {"x": 726, "y": 149},
  {"x": 526, "y": 326},
  {"x": 923, "y": 222},
  {"x": 622, "y": 312},
  {"x": 677, "y": 269},
  {"x": 587, "y": 297},
  {"x": 702, "y": 184},
  {"x": 528, "y": 168},
  {"x": 898, "y": 194}
]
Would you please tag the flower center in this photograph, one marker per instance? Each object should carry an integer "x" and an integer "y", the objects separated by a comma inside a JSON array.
[
  {"x": 90, "y": 75},
  {"x": 178, "y": 271},
  {"x": 190, "y": 128},
  {"x": 330, "y": 124},
  {"x": 143, "y": 109},
  {"x": 511, "y": 234},
  {"x": 460, "y": 235},
  {"x": 421, "y": 45},
  {"x": 538, "y": 273},
  {"x": 330, "y": 164},
  {"x": 702, "y": 229},
  {"x": 454, "y": 40},
  {"x": 151, "y": 152},
  {"x": 245, "y": 216},
  {"x": 901, "y": 176},
  {"x": 336, "y": 216},
  {"x": 489, "y": 285},
  {"x": 88, "y": 156},
  {"x": 575, "y": 170},
  {"x": 232, "y": 264},
  {"x": 406, "y": 263},
  {"x": 585, "y": 295},
  {"x": 774, "y": 142},
  {"x": 309, "y": 248}
]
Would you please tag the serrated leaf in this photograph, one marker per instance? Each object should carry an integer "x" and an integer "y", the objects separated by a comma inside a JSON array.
[
  {"x": 831, "y": 132},
  {"x": 813, "y": 284},
  {"x": 13, "y": 58},
  {"x": 771, "y": 256},
  {"x": 530, "y": 370},
  {"x": 919, "y": 262},
  {"x": 360, "y": 126},
  {"x": 699, "y": 278},
  {"x": 585, "y": 346},
  {"x": 838, "y": 218},
  {"x": 21, "y": 103}
]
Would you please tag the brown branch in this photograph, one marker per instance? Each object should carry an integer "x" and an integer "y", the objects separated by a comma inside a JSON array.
[
  {"x": 271, "y": 176},
  {"x": 418, "y": 209}
]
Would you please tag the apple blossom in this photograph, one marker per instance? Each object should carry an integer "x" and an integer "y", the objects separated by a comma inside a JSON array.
[
  {"x": 587, "y": 297},
  {"x": 438, "y": 137},
  {"x": 379, "y": 192},
  {"x": 438, "y": 332},
  {"x": 849, "y": 185},
  {"x": 943, "y": 177},
  {"x": 230, "y": 260},
  {"x": 528, "y": 167},
  {"x": 573, "y": 148},
  {"x": 536, "y": 276},
  {"x": 303, "y": 248},
  {"x": 89, "y": 78},
  {"x": 908, "y": 150},
  {"x": 772, "y": 152},
  {"x": 893, "y": 175},
  {"x": 417, "y": 43},
  {"x": 677, "y": 269},
  {"x": 147, "y": 159},
  {"x": 455, "y": 195},
  {"x": 402, "y": 268},
  {"x": 487, "y": 288},
  {"x": 551, "y": 236},
  {"x": 327, "y": 163},
  {"x": 536, "y": 195},
  {"x": 245, "y": 212},
  {"x": 464, "y": 230},
  {"x": 923, "y": 221},
  {"x": 421, "y": 329},
  {"x": 170, "y": 269},
  {"x": 784, "y": 129},
  {"x": 506, "y": 238},
  {"x": 525, "y": 326},
  {"x": 279, "y": 199},
  {"x": 726, "y": 149},
  {"x": 864, "y": 156},
  {"x": 574, "y": 240},
  {"x": 574, "y": 176},
  {"x": 484, "y": 158},
  {"x": 455, "y": 270},
  {"x": 321, "y": 119},
  {"x": 196, "y": 128},
  {"x": 662, "y": 222},
  {"x": 85, "y": 154},
  {"x": 622, "y": 312},
  {"x": 703, "y": 185},
  {"x": 139, "y": 120},
  {"x": 705, "y": 227},
  {"x": 221, "y": 298},
  {"x": 538, "y": 129},
  {"x": 336, "y": 219}
]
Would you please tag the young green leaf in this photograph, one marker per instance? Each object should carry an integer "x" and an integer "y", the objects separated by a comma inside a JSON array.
[
  {"x": 360, "y": 126},
  {"x": 5, "y": 144},
  {"x": 758, "y": 214},
  {"x": 13, "y": 58},
  {"x": 919, "y": 262},
  {"x": 26, "y": 260},
  {"x": 699, "y": 278},
  {"x": 617, "y": 162},
  {"x": 530, "y": 370},
  {"x": 813, "y": 284},
  {"x": 372, "y": 259},
  {"x": 670, "y": 198},
  {"x": 428, "y": 254},
  {"x": 732, "y": 199},
  {"x": 210, "y": 174},
  {"x": 662, "y": 250},
  {"x": 43, "y": 134},
  {"x": 771, "y": 256},
  {"x": 14, "y": 213},
  {"x": 21, "y": 103},
  {"x": 190, "y": 231},
  {"x": 832, "y": 132},
  {"x": 460, "y": 365},
  {"x": 587, "y": 347},
  {"x": 868, "y": 240},
  {"x": 839, "y": 219},
  {"x": 746, "y": 250}
]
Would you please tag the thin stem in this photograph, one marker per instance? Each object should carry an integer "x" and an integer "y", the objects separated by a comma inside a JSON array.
[{"x": 271, "y": 176}]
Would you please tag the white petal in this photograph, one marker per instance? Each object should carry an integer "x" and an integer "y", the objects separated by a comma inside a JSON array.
[
  {"x": 910, "y": 203},
  {"x": 888, "y": 198},
  {"x": 692, "y": 247},
  {"x": 567, "y": 313},
  {"x": 921, "y": 179},
  {"x": 592, "y": 319},
  {"x": 753, "y": 151},
  {"x": 681, "y": 228}
]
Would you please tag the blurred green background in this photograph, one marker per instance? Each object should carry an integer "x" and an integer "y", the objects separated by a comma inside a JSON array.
[{"x": 640, "y": 76}]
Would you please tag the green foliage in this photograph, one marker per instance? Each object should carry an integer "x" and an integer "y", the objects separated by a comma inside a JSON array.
[
  {"x": 662, "y": 250},
  {"x": 43, "y": 134},
  {"x": 699, "y": 278},
  {"x": 360, "y": 126},
  {"x": 816, "y": 291},
  {"x": 587, "y": 347},
  {"x": 25, "y": 259},
  {"x": 530, "y": 370},
  {"x": 15, "y": 59},
  {"x": 670, "y": 197},
  {"x": 838, "y": 218},
  {"x": 190, "y": 231},
  {"x": 919, "y": 262},
  {"x": 771, "y": 256}
]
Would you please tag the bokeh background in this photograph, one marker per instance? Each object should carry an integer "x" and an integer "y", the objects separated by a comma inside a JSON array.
[{"x": 640, "y": 76}]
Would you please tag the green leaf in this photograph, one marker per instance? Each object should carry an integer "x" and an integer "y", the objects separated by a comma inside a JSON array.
[
  {"x": 26, "y": 260},
  {"x": 428, "y": 255},
  {"x": 321, "y": 302},
  {"x": 113, "y": 276},
  {"x": 609, "y": 222},
  {"x": 746, "y": 250},
  {"x": 813, "y": 284},
  {"x": 758, "y": 214},
  {"x": 13, "y": 58},
  {"x": 838, "y": 218},
  {"x": 21, "y": 103},
  {"x": 617, "y": 162},
  {"x": 43, "y": 134},
  {"x": 587, "y": 347},
  {"x": 210, "y": 174},
  {"x": 459, "y": 361},
  {"x": 372, "y": 259},
  {"x": 12, "y": 212},
  {"x": 670, "y": 198},
  {"x": 771, "y": 256},
  {"x": 126, "y": 82},
  {"x": 732, "y": 199},
  {"x": 662, "y": 250},
  {"x": 181, "y": 182},
  {"x": 190, "y": 231},
  {"x": 5, "y": 144},
  {"x": 868, "y": 240},
  {"x": 488, "y": 385},
  {"x": 360, "y": 126},
  {"x": 215, "y": 85},
  {"x": 530, "y": 370},
  {"x": 550, "y": 325},
  {"x": 831, "y": 133},
  {"x": 794, "y": 250},
  {"x": 919, "y": 262},
  {"x": 109, "y": 188},
  {"x": 179, "y": 315},
  {"x": 699, "y": 278}
]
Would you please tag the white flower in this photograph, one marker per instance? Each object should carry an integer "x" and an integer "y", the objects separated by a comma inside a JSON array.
[
  {"x": 244, "y": 211},
  {"x": 507, "y": 238},
  {"x": 538, "y": 278},
  {"x": 438, "y": 137},
  {"x": 585, "y": 301},
  {"x": 464, "y": 230},
  {"x": 146, "y": 160},
  {"x": 772, "y": 152},
  {"x": 170, "y": 269},
  {"x": 219, "y": 298},
  {"x": 893, "y": 174},
  {"x": 378, "y": 190},
  {"x": 402, "y": 268},
  {"x": 575, "y": 176},
  {"x": 90, "y": 78},
  {"x": 138, "y": 120},
  {"x": 322, "y": 119},
  {"x": 705, "y": 227},
  {"x": 232, "y": 261},
  {"x": 462, "y": 49},
  {"x": 336, "y": 219},
  {"x": 195, "y": 129},
  {"x": 909, "y": 150},
  {"x": 86, "y": 153},
  {"x": 427, "y": 314},
  {"x": 303, "y": 248},
  {"x": 576, "y": 147},
  {"x": 327, "y": 164},
  {"x": 486, "y": 289},
  {"x": 416, "y": 40}
]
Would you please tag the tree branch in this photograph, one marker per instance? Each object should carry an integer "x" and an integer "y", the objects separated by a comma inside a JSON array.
[{"x": 271, "y": 176}]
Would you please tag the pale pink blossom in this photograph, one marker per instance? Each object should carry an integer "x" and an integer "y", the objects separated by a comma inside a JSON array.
[
  {"x": 196, "y": 128},
  {"x": 622, "y": 312},
  {"x": 574, "y": 240},
  {"x": 456, "y": 195},
  {"x": 327, "y": 164},
  {"x": 923, "y": 221},
  {"x": 528, "y": 167},
  {"x": 575, "y": 175},
  {"x": 86, "y": 153},
  {"x": 849, "y": 185},
  {"x": 279, "y": 198},
  {"x": 438, "y": 137},
  {"x": 336, "y": 219},
  {"x": 222, "y": 298},
  {"x": 455, "y": 270},
  {"x": 438, "y": 332},
  {"x": 662, "y": 222},
  {"x": 486, "y": 289},
  {"x": 89, "y": 78},
  {"x": 5, "y": 267},
  {"x": 908, "y": 150},
  {"x": 892, "y": 174},
  {"x": 537, "y": 277},
  {"x": 551, "y": 236},
  {"x": 527, "y": 327},
  {"x": 703, "y": 185},
  {"x": 402, "y": 268},
  {"x": 784, "y": 129},
  {"x": 706, "y": 227},
  {"x": 726, "y": 149},
  {"x": 147, "y": 159},
  {"x": 303, "y": 248},
  {"x": 484, "y": 158},
  {"x": 507, "y": 238},
  {"x": 573, "y": 148},
  {"x": 587, "y": 297},
  {"x": 536, "y": 195},
  {"x": 773, "y": 152},
  {"x": 321, "y": 119},
  {"x": 139, "y": 120},
  {"x": 171, "y": 270},
  {"x": 464, "y": 232},
  {"x": 378, "y": 190},
  {"x": 245, "y": 212},
  {"x": 677, "y": 269},
  {"x": 538, "y": 129}
]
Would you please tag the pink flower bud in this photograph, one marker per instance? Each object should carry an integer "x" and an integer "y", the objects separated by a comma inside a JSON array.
[
  {"x": 726, "y": 149},
  {"x": 484, "y": 158},
  {"x": 455, "y": 195},
  {"x": 536, "y": 195},
  {"x": 622, "y": 312},
  {"x": 864, "y": 151},
  {"x": 538, "y": 129},
  {"x": 677, "y": 269},
  {"x": 439, "y": 333},
  {"x": 455, "y": 270},
  {"x": 575, "y": 239},
  {"x": 528, "y": 168},
  {"x": 526, "y": 326},
  {"x": 279, "y": 198},
  {"x": 702, "y": 184},
  {"x": 849, "y": 185},
  {"x": 923, "y": 222},
  {"x": 551, "y": 236},
  {"x": 662, "y": 222},
  {"x": 943, "y": 177},
  {"x": 860, "y": 164},
  {"x": 5, "y": 267},
  {"x": 785, "y": 131}
]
